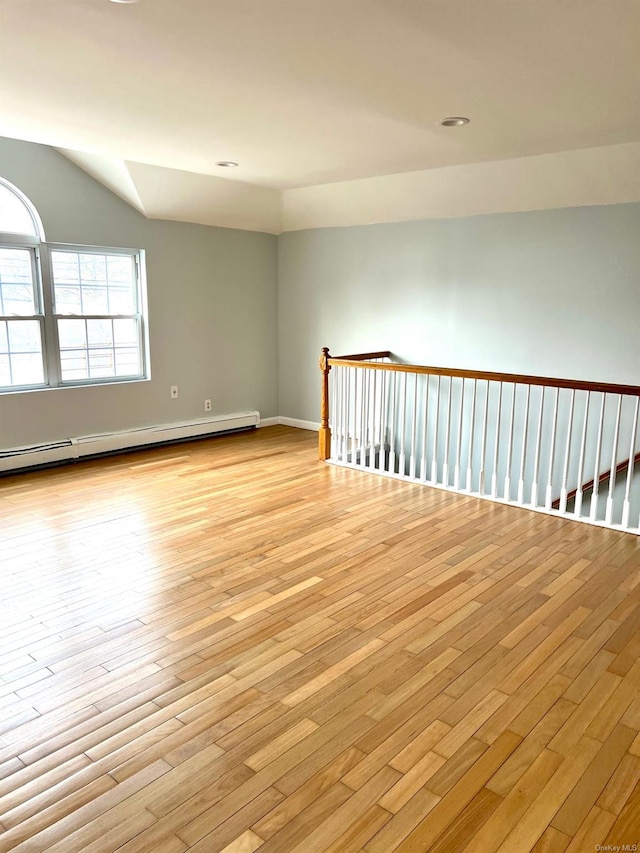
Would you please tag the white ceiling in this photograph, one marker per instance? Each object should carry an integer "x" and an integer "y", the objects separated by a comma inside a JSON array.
[{"x": 309, "y": 92}]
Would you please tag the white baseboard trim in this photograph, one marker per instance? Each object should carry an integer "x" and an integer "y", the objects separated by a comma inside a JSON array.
[
  {"x": 95, "y": 445},
  {"x": 294, "y": 422}
]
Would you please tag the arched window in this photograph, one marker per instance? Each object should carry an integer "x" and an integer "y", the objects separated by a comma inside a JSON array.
[
  {"x": 17, "y": 214},
  {"x": 69, "y": 315}
]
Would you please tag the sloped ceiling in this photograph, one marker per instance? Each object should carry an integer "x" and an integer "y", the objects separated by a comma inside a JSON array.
[
  {"x": 161, "y": 193},
  {"x": 148, "y": 97}
]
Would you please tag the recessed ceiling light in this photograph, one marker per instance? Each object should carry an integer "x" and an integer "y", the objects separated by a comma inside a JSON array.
[
  {"x": 226, "y": 164},
  {"x": 125, "y": 1},
  {"x": 454, "y": 121}
]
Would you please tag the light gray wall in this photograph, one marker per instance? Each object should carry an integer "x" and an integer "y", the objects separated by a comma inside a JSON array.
[
  {"x": 554, "y": 293},
  {"x": 212, "y": 310}
]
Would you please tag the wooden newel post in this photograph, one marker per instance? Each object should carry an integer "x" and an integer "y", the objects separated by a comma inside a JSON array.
[{"x": 324, "y": 439}]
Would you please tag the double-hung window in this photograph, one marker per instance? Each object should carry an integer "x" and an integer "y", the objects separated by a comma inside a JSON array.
[
  {"x": 96, "y": 308},
  {"x": 21, "y": 318},
  {"x": 69, "y": 315}
]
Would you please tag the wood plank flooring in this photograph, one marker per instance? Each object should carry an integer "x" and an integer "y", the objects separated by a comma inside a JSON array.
[{"x": 228, "y": 646}]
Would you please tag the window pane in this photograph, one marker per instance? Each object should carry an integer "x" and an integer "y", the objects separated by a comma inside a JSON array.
[
  {"x": 15, "y": 217},
  {"x": 93, "y": 268},
  {"x": 121, "y": 300},
  {"x": 27, "y": 368},
  {"x": 72, "y": 337},
  {"x": 89, "y": 283},
  {"x": 72, "y": 334},
  {"x": 127, "y": 361},
  {"x": 65, "y": 267},
  {"x": 5, "y": 370},
  {"x": 24, "y": 336},
  {"x": 99, "y": 349},
  {"x": 95, "y": 300},
  {"x": 17, "y": 293},
  {"x": 21, "y": 360},
  {"x": 68, "y": 299},
  {"x": 122, "y": 291},
  {"x": 74, "y": 365},
  {"x": 100, "y": 332},
  {"x": 125, "y": 332},
  {"x": 101, "y": 363},
  {"x": 127, "y": 347}
]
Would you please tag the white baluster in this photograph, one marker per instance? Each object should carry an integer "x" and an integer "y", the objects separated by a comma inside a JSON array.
[
  {"x": 368, "y": 444},
  {"x": 372, "y": 418},
  {"x": 525, "y": 439},
  {"x": 344, "y": 423},
  {"x": 414, "y": 420},
  {"x": 483, "y": 444},
  {"x": 353, "y": 374},
  {"x": 536, "y": 461},
  {"x": 577, "y": 505},
  {"x": 350, "y": 397},
  {"x": 456, "y": 470},
  {"x": 347, "y": 411},
  {"x": 472, "y": 431},
  {"x": 567, "y": 454},
  {"x": 626, "y": 506},
  {"x": 496, "y": 448},
  {"x": 355, "y": 380},
  {"x": 593, "y": 509},
  {"x": 423, "y": 456},
  {"x": 614, "y": 464},
  {"x": 403, "y": 424},
  {"x": 363, "y": 416},
  {"x": 382, "y": 458},
  {"x": 333, "y": 409},
  {"x": 394, "y": 410},
  {"x": 336, "y": 444},
  {"x": 434, "y": 460},
  {"x": 445, "y": 464},
  {"x": 507, "y": 479},
  {"x": 548, "y": 500}
]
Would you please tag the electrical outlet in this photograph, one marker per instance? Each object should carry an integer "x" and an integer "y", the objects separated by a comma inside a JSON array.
[
  {"x": 207, "y": 405},
  {"x": 174, "y": 392}
]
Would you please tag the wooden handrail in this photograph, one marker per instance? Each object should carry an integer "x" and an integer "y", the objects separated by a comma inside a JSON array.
[
  {"x": 365, "y": 356},
  {"x": 620, "y": 467},
  {"x": 516, "y": 378}
]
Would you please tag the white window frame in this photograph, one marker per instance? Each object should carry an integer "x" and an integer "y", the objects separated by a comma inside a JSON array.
[
  {"x": 44, "y": 302},
  {"x": 53, "y": 368},
  {"x": 33, "y": 244}
]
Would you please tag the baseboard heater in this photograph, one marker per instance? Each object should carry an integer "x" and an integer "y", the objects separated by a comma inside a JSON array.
[{"x": 95, "y": 445}]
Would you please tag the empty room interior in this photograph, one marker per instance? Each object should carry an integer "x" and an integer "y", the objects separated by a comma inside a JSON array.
[{"x": 319, "y": 415}]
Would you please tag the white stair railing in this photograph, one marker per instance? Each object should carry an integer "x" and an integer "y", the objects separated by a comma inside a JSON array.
[{"x": 567, "y": 448}]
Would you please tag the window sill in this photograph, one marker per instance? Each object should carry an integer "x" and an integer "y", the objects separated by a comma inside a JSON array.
[{"x": 74, "y": 386}]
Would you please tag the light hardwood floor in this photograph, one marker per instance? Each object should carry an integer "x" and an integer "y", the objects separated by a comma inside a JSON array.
[{"x": 227, "y": 645}]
